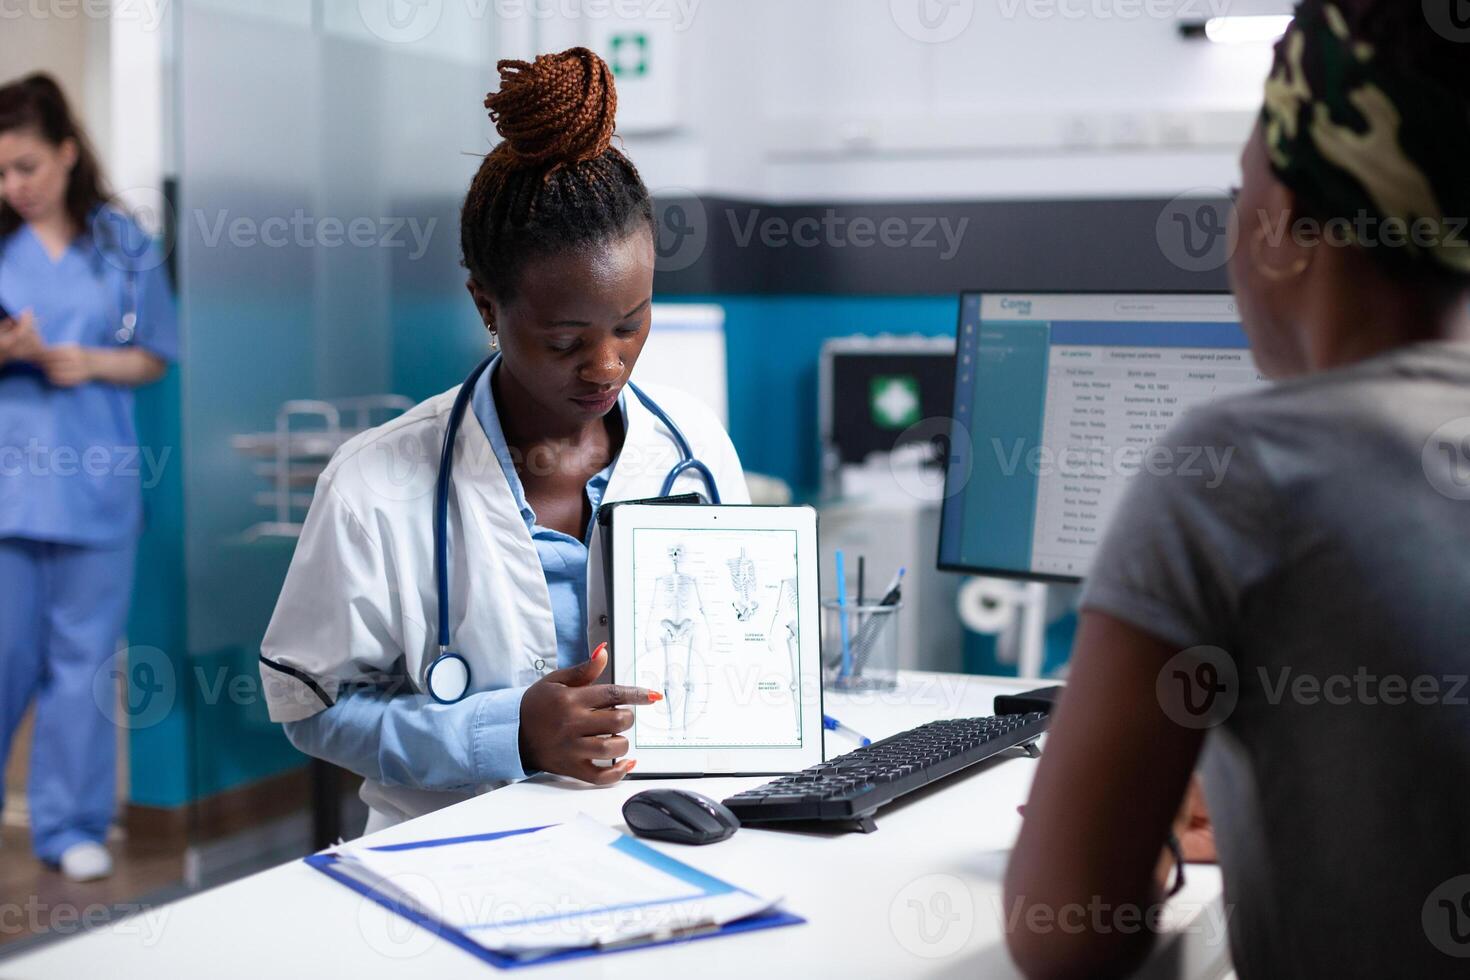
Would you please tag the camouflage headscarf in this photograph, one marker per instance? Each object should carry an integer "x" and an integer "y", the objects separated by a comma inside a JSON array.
[{"x": 1367, "y": 141}]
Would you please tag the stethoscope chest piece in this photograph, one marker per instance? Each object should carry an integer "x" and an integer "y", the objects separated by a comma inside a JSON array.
[
  {"x": 129, "y": 328},
  {"x": 448, "y": 680}
]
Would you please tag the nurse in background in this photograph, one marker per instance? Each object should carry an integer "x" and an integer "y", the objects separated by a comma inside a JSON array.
[{"x": 91, "y": 319}]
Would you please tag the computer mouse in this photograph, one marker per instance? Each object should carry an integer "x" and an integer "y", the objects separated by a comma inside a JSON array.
[{"x": 679, "y": 816}]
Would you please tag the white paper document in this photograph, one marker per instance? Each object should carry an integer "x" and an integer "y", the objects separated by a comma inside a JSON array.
[{"x": 570, "y": 886}]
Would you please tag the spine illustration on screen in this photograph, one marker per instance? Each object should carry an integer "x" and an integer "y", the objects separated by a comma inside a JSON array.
[{"x": 742, "y": 578}]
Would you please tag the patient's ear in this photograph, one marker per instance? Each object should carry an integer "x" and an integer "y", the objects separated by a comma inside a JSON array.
[{"x": 1286, "y": 241}]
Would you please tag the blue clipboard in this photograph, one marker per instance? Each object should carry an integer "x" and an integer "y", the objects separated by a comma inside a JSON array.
[{"x": 325, "y": 863}]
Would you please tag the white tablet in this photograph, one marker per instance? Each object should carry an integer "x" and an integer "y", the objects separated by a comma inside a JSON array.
[{"x": 716, "y": 608}]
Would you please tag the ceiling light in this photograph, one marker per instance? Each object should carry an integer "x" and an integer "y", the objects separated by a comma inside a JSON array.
[{"x": 1238, "y": 30}]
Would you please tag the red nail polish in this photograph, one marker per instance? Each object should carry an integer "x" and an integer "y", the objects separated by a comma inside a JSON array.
[
  {"x": 654, "y": 696},
  {"x": 631, "y": 764},
  {"x": 601, "y": 649}
]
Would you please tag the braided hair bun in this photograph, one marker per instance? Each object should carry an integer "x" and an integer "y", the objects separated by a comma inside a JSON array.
[
  {"x": 556, "y": 182},
  {"x": 559, "y": 109}
]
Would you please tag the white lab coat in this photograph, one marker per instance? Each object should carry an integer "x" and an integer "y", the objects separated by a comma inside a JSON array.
[{"x": 360, "y": 594}]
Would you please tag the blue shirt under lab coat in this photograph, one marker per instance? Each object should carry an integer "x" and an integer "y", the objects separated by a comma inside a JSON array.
[
  {"x": 70, "y": 465},
  {"x": 410, "y": 740},
  {"x": 563, "y": 558}
]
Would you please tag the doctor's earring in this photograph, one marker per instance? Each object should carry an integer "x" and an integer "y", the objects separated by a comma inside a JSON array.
[{"x": 494, "y": 340}]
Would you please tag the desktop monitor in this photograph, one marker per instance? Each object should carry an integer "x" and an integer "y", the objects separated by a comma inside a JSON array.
[{"x": 1057, "y": 398}]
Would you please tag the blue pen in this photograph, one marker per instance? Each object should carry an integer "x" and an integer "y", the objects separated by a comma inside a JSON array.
[
  {"x": 833, "y": 725},
  {"x": 842, "y": 614}
]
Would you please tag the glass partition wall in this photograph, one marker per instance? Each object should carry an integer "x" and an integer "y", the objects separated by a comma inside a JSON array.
[{"x": 321, "y": 151}]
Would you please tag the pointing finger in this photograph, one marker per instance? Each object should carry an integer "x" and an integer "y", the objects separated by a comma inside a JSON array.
[{"x": 612, "y": 695}]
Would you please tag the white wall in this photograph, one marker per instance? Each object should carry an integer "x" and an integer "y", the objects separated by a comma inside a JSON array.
[
  {"x": 113, "y": 69},
  {"x": 810, "y": 99},
  {"x": 831, "y": 99},
  {"x": 139, "y": 156},
  {"x": 70, "y": 45}
]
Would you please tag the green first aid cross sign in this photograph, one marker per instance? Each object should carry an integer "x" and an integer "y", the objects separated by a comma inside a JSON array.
[
  {"x": 894, "y": 401},
  {"x": 628, "y": 55}
]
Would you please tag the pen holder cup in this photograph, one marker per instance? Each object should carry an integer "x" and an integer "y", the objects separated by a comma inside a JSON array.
[{"x": 864, "y": 656}]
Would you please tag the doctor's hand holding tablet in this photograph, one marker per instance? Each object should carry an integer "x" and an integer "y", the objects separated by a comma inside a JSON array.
[{"x": 433, "y": 632}]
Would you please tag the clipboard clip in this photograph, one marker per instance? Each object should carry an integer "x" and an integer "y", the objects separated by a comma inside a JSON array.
[{"x": 670, "y": 934}]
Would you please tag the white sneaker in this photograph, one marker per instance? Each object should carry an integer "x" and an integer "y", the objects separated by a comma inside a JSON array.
[{"x": 86, "y": 861}]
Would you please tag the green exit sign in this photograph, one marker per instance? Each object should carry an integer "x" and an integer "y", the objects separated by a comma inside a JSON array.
[{"x": 629, "y": 55}]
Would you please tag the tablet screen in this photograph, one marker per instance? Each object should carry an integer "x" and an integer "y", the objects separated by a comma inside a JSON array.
[
  {"x": 716, "y": 609},
  {"x": 717, "y": 631}
]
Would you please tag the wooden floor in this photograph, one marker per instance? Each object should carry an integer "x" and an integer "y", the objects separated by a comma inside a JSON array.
[{"x": 35, "y": 898}]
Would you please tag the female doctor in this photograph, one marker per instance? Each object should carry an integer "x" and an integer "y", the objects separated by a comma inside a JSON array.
[
  {"x": 557, "y": 233},
  {"x": 93, "y": 318}
]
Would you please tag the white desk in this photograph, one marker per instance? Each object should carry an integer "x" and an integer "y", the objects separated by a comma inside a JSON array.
[{"x": 921, "y": 897}]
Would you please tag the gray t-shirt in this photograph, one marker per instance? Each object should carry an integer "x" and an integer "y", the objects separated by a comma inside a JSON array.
[{"x": 1331, "y": 565}]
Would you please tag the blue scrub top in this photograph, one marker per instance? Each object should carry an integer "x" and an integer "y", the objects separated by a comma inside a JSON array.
[
  {"x": 70, "y": 466},
  {"x": 563, "y": 558}
]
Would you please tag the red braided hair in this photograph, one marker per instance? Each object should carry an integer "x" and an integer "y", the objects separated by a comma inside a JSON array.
[{"x": 555, "y": 182}]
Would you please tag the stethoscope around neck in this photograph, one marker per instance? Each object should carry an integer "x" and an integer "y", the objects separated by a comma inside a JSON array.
[
  {"x": 447, "y": 678},
  {"x": 125, "y": 260},
  {"x": 127, "y": 328}
]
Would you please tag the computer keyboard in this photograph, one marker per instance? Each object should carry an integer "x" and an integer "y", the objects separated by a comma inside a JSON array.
[{"x": 852, "y": 786}]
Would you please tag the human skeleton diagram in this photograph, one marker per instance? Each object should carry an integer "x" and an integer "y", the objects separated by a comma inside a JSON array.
[
  {"x": 676, "y": 627},
  {"x": 742, "y": 577},
  {"x": 782, "y": 638}
]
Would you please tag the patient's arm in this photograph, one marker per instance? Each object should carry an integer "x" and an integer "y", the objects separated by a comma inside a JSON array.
[{"x": 1107, "y": 789}]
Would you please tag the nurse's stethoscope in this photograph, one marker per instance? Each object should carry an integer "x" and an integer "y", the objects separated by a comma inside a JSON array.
[
  {"x": 448, "y": 676},
  {"x": 128, "y": 326}
]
